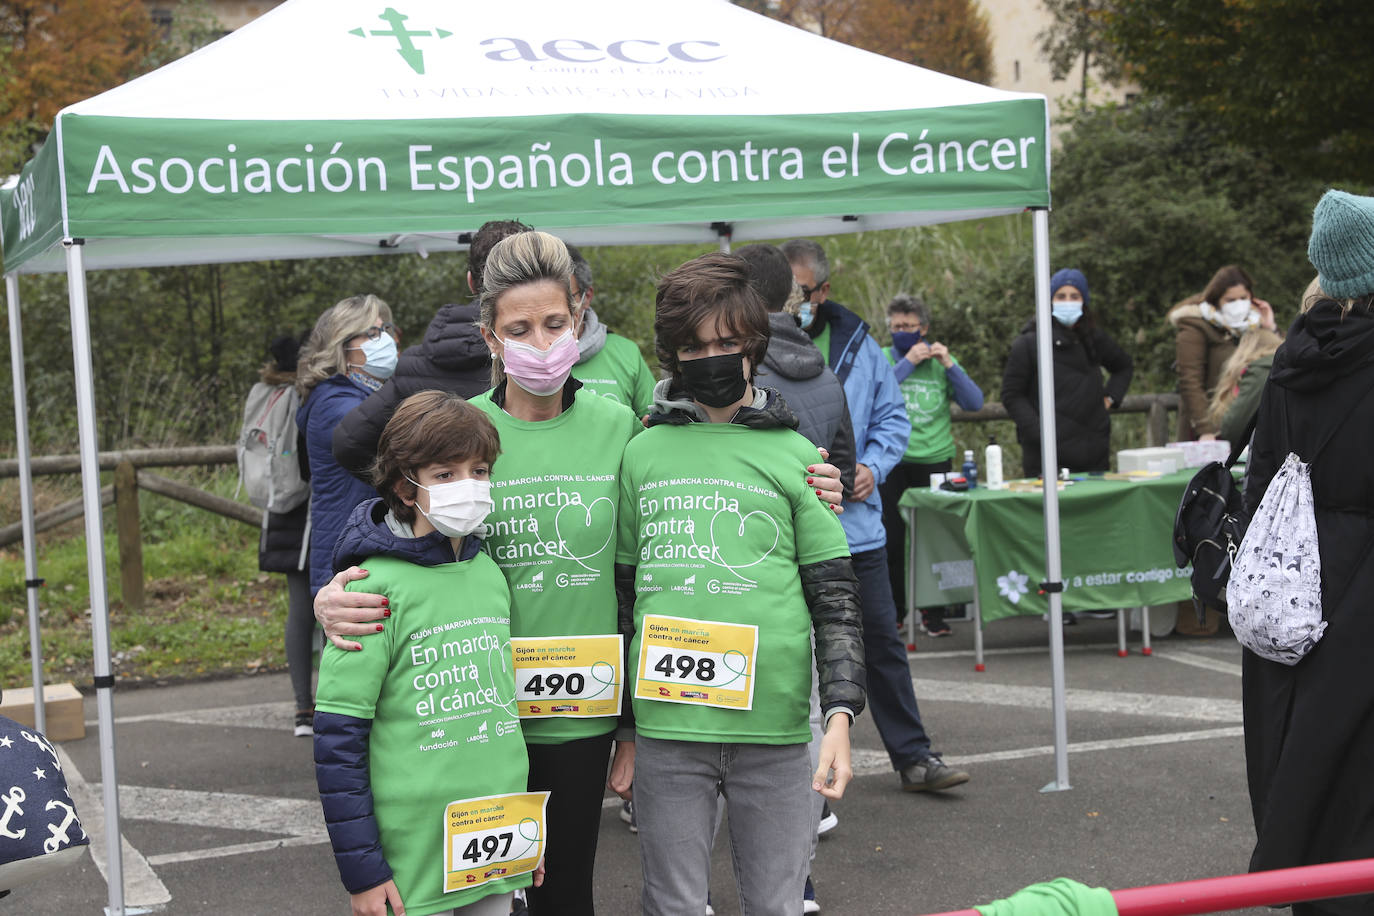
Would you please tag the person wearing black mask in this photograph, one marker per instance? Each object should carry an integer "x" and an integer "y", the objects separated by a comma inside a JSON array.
[{"x": 930, "y": 379}]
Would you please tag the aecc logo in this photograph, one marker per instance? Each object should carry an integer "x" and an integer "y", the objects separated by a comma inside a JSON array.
[{"x": 577, "y": 51}]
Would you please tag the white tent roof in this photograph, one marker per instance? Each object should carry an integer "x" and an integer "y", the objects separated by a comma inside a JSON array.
[{"x": 333, "y": 127}]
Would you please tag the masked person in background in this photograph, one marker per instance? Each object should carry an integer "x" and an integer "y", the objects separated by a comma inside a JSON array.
[
  {"x": 1208, "y": 327},
  {"x": 1082, "y": 350},
  {"x": 931, "y": 379},
  {"x": 350, "y": 353},
  {"x": 607, "y": 364}
]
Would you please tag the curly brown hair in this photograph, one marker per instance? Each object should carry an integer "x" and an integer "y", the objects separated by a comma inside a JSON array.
[{"x": 429, "y": 428}]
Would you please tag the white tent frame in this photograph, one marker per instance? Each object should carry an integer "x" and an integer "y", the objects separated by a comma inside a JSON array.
[{"x": 128, "y": 253}]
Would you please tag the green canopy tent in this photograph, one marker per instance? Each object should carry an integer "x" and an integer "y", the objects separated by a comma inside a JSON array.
[{"x": 345, "y": 127}]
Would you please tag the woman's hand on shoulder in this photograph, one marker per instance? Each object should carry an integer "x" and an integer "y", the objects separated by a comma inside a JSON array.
[
  {"x": 824, "y": 478},
  {"x": 1266, "y": 314},
  {"x": 344, "y": 613}
]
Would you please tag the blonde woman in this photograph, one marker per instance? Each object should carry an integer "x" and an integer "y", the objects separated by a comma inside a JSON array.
[
  {"x": 1242, "y": 379},
  {"x": 349, "y": 354}
]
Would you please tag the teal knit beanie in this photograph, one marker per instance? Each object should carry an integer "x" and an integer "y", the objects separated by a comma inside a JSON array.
[{"x": 1342, "y": 244}]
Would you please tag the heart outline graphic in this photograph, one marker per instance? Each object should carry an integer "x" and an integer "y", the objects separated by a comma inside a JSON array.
[
  {"x": 610, "y": 532},
  {"x": 715, "y": 549}
]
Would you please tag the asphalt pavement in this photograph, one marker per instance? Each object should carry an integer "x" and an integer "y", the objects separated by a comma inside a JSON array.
[{"x": 220, "y": 814}]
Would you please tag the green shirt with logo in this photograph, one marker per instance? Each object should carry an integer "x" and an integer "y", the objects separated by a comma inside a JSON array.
[
  {"x": 618, "y": 372},
  {"x": 716, "y": 518},
  {"x": 927, "y": 392},
  {"x": 438, "y": 685},
  {"x": 553, "y": 527}
]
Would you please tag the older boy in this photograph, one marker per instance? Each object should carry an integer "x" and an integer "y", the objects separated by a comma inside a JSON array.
[{"x": 733, "y": 563}]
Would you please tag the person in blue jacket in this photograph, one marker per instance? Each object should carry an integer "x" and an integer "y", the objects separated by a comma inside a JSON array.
[
  {"x": 881, "y": 433},
  {"x": 349, "y": 354}
]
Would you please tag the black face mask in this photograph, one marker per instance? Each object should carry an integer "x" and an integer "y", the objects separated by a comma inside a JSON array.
[{"x": 716, "y": 381}]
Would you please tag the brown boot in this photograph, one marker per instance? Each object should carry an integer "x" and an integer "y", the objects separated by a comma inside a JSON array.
[{"x": 1186, "y": 622}]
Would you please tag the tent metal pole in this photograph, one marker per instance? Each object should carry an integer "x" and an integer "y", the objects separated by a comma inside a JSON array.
[
  {"x": 1049, "y": 463},
  {"x": 21, "y": 437},
  {"x": 95, "y": 567}
]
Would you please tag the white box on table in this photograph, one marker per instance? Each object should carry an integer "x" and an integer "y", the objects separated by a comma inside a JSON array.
[
  {"x": 1196, "y": 454},
  {"x": 1163, "y": 460}
]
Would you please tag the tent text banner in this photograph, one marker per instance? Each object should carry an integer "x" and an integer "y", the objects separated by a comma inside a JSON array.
[{"x": 257, "y": 178}]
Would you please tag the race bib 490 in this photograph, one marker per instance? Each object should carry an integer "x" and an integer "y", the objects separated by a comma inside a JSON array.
[{"x": 568, "y": 676}]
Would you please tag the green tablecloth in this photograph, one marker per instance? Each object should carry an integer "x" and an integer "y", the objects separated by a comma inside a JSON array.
[{"x": 1115, "y": 538}]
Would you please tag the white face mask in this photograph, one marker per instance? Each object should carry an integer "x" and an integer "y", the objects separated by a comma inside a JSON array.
[
  {"x": 459, "y": 507},
  {"x": 1236, "y": 313}
]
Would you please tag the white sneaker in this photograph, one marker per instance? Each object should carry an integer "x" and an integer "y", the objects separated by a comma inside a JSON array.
[
  {"x": 828, "y": 821},
  {"x": 627, "y": 814}
]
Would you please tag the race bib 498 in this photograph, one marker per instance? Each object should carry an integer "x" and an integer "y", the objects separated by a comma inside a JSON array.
[{"x": 701, "y": 662}]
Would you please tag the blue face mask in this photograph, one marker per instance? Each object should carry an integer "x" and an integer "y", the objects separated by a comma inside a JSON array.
[
  {"x": 806, "y": 313},
  {"x": 903, "y": 341},
  {"x": 381, "y": 356},
  {"x": 1067, "y": 313}
]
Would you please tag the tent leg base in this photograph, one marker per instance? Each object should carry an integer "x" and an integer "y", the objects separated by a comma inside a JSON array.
[{"x": 1055, "y": 787}]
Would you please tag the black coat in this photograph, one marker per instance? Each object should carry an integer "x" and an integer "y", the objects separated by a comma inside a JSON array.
[
  {"x": 281, "y": 546},
  {"x": 1083, "y": 429},
  {"x": 1309, "y": 728},
  {"x": 452, "y": 357}
]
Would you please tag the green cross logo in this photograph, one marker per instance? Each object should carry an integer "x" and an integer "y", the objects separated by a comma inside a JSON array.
[{"x": 409, "y": 53}]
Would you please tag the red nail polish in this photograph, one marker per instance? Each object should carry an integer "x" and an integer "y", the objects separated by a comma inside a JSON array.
[
  {"x": 386, "y": 613},
  {"x": 819, "y": 493},
  {"x": 385, "y": 601},
  {"x": 810, "y": 481},
  {"x": 379, "y": 628},
  {"x": 811, "y": 469}
]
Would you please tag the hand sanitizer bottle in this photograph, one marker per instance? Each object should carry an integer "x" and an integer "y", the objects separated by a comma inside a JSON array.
[{"x": 993, "y": 463}]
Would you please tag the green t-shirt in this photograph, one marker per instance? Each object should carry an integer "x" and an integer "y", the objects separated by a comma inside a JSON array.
[
  {"x": 717, "y": 517},
  {"x": 927, "y": 392},
  {"x": 618, "y": 372},
  {"x": 553, "y": 526},
  {"x": 439, "y": 687}
]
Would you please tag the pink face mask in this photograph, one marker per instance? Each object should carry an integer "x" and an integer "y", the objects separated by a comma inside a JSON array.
[{"x": 540, "y": 372}]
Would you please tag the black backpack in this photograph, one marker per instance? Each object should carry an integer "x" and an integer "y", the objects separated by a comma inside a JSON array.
[{"x": 1209, "y": 527}]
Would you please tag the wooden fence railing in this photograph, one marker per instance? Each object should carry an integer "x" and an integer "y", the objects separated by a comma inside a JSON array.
[{"x": 131, "y": 475}]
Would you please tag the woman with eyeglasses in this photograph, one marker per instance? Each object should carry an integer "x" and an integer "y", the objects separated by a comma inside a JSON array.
[{"x": 349, "y": 354}]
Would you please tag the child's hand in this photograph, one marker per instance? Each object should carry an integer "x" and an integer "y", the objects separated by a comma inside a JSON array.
[
  {"x": 373, "y": 902},
  {"x": 344, "y": 613},
  {"x": 834, "y": 756},
  {"x": 622, "y": 769},
  {"x": 539, "y": 874}
]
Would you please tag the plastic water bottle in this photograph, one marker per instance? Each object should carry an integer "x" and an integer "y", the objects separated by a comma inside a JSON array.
[
  {"x": 970, "y": 469},
  {"x": 992, "y": 461}
]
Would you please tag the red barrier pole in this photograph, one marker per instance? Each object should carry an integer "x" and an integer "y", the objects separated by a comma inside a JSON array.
[
  {"x": 1265, "y": 888},
  {"x": 1232, "y": 892}
]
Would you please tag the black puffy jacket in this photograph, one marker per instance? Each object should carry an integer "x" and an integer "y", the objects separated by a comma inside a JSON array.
[
  {"x": 1083, "y": 429},
  {"x": 452, "y": 357}
]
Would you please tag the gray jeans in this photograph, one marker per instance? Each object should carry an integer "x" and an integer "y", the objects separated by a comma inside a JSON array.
[{"x": 765, "y": 789}]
